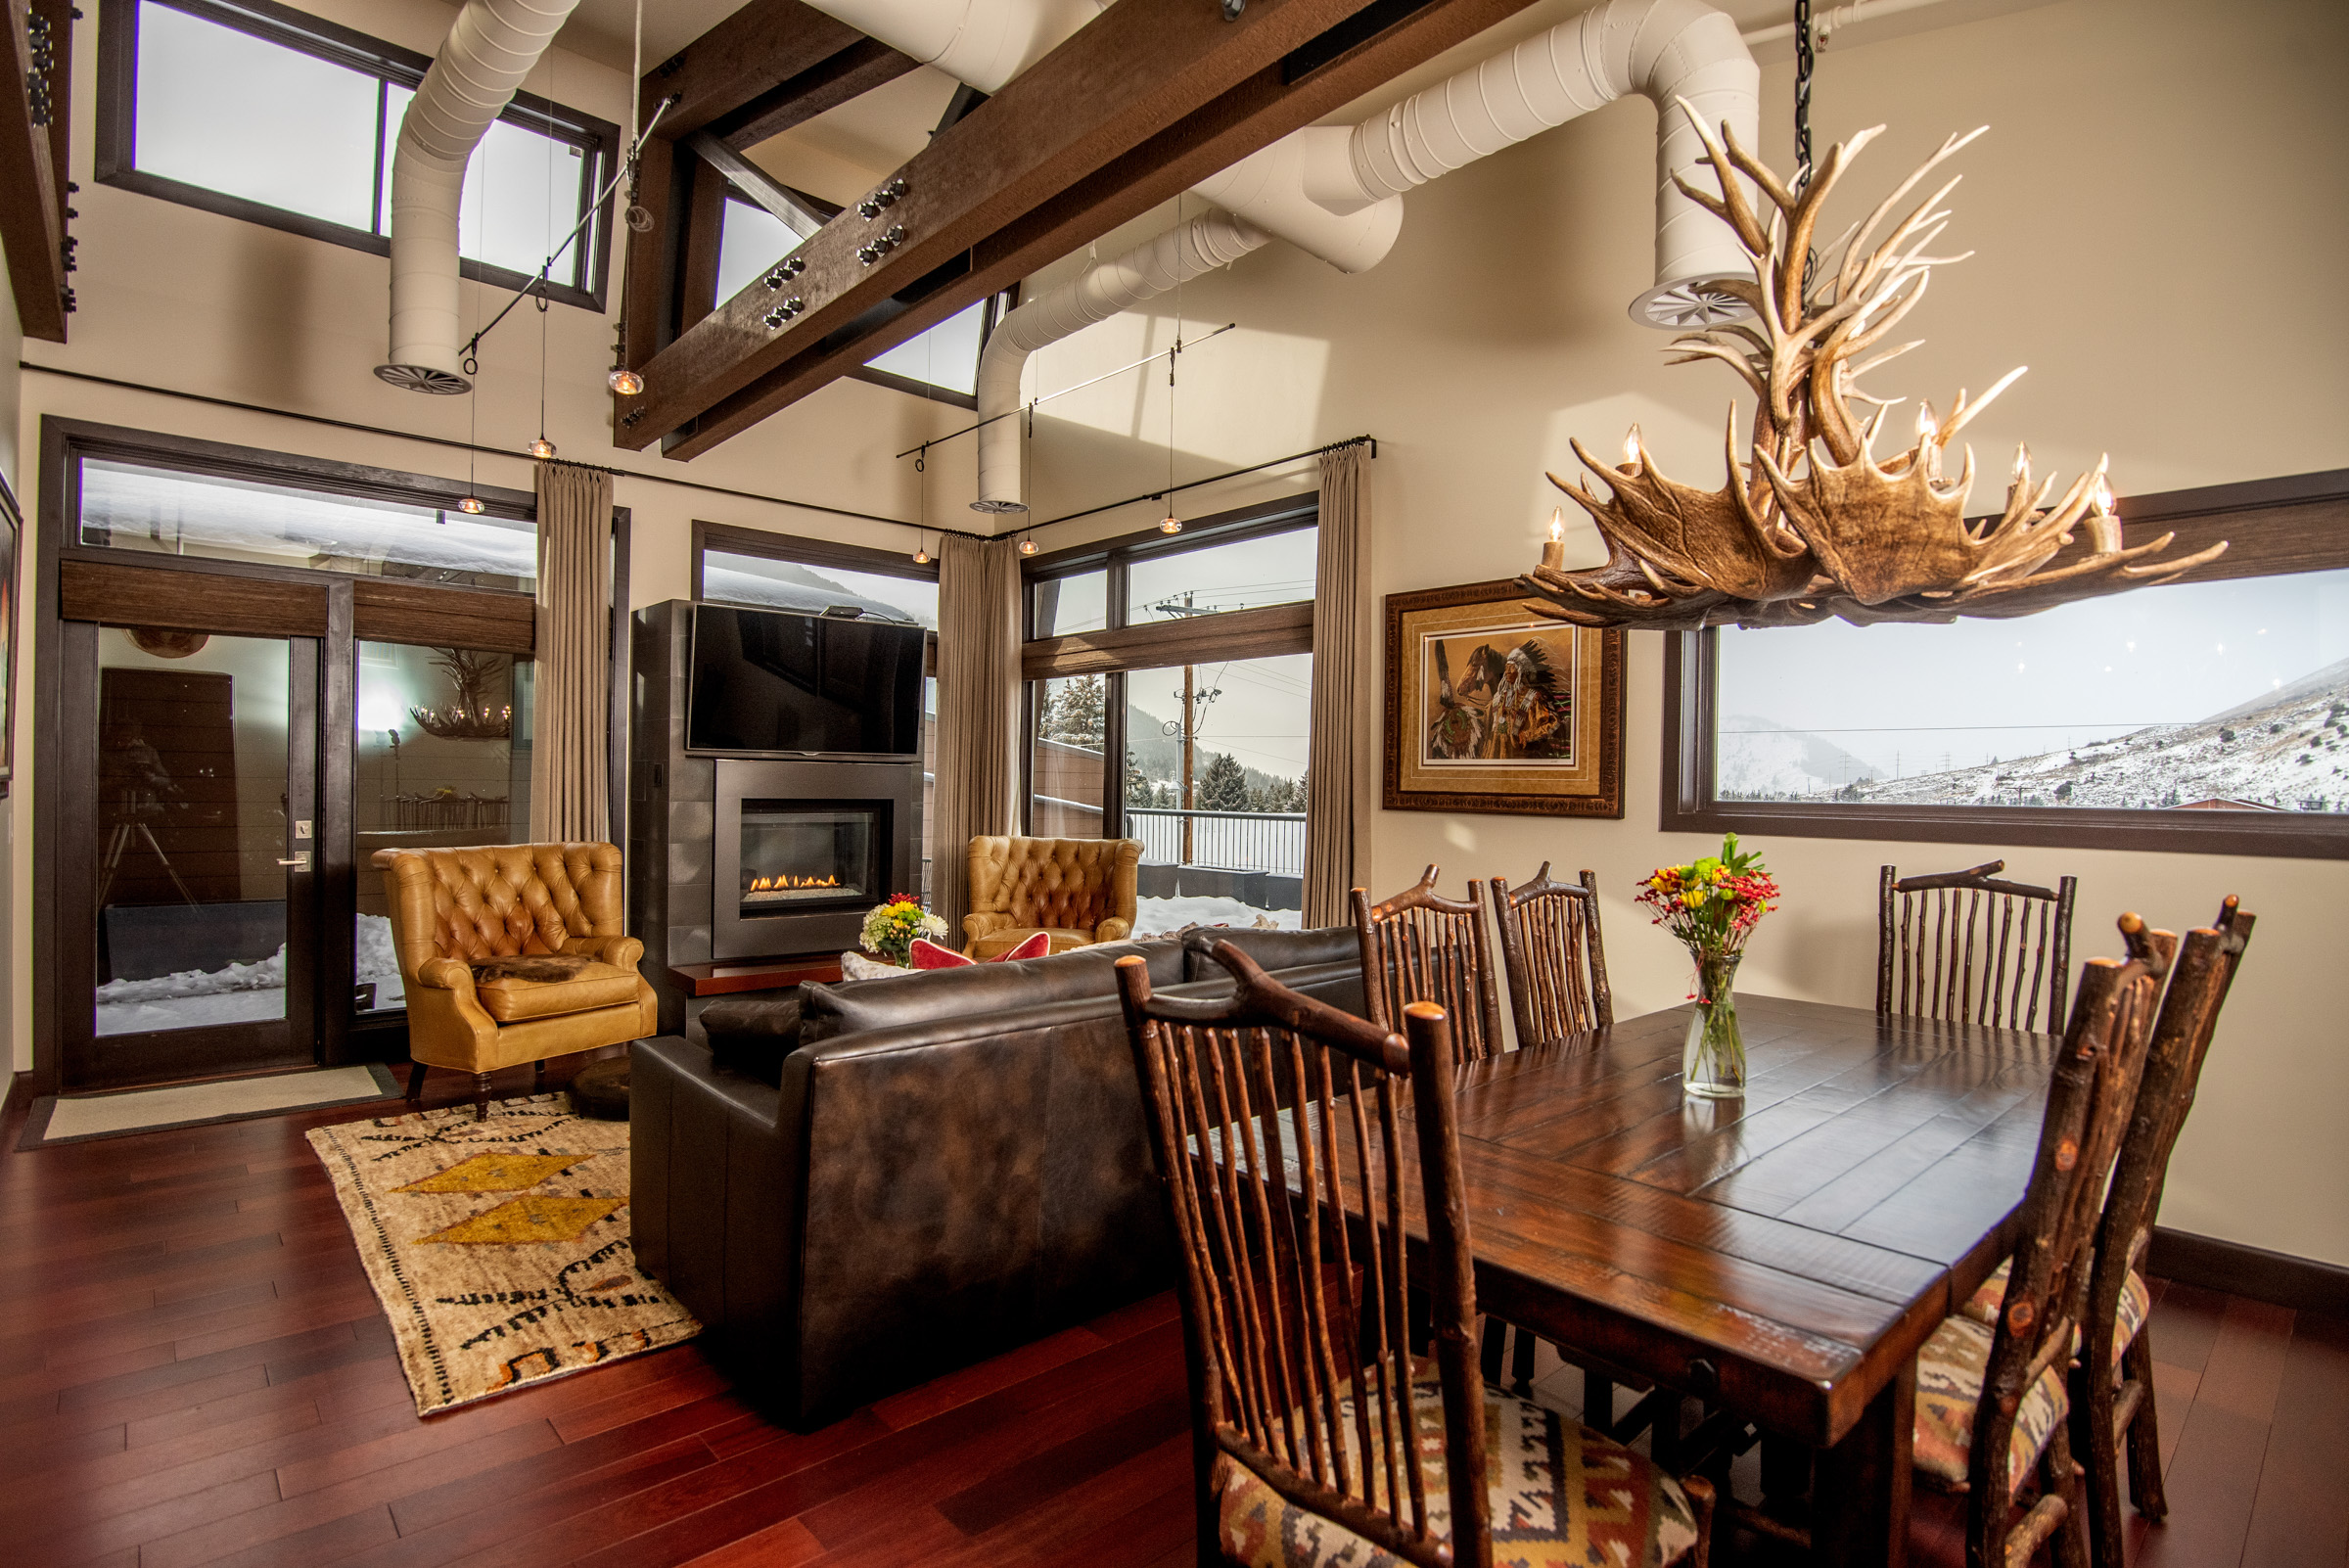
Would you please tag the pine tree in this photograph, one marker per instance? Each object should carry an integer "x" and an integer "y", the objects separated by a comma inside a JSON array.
[
  {"x": 1077, "y": 713},
  {"x": 1222, "y": 785}
]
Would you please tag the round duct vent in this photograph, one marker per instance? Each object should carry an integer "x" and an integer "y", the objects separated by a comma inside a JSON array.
[
  {"x": 998, "y": 506},
  {"x": 1689, "y": 305},
  {"x": 424, "y": 378}
]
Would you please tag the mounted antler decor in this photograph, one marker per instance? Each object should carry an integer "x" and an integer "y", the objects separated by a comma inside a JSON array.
[
  {"x": 1814, "y": 525},
  {"x": 470, "y": 716}
]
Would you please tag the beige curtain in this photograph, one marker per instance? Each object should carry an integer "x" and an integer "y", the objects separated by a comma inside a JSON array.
[
  {"x": 1336, "y": 769},
  {"x": 979, "y": 694},
  {"x": 569, "y": 764}
]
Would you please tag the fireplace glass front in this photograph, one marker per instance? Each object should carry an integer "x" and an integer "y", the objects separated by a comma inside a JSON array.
[{"x": 804, "y": 855}]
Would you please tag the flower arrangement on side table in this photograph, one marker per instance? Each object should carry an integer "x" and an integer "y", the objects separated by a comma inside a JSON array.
[
  {"x": 890, "y": 929},
  {"x": 1713, "y": 905}
]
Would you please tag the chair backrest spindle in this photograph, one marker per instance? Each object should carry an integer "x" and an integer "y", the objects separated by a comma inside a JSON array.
[
  {"x": 1556, "y": 963},
  {"x": 1961, "y": 946},
  {"x": 1419, "y": 946}
]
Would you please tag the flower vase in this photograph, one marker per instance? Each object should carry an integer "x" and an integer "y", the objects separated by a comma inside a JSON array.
[{"x": 1713, "y": 1056}]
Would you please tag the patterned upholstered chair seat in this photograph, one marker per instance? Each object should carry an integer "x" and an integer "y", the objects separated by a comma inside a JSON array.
[
  {"x": 1078, "y": 892},
  {"x": 1560, "y": 1494},
  {"x": 2137, "y": 1304},
  {"x": 1948, "y": 1389}
]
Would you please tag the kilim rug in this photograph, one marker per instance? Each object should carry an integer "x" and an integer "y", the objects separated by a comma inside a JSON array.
[{"x": 500, "y": 1247}]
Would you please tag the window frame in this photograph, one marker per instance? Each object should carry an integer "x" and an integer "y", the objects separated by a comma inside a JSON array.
[
  {"x": 1117, "y": 648},
  {"x": 732, "y": 540},
  {"x": 116, "y": 133},
  {"x": 998, "y": 305},
  {"x": 2275, "y": 527}
]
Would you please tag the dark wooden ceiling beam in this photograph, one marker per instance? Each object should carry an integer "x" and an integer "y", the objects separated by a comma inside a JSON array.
[
  {"x": 772, "y": 64},
  {"x": 1261, "y": 109},
  {"x": 35, "y": 110},
  {"x": 1138, "y": 70}
]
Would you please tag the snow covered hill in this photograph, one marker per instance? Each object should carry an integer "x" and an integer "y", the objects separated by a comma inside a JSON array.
[
  {"x": 1758, "y": 760},
  {"x": 2286, "y": 751}
]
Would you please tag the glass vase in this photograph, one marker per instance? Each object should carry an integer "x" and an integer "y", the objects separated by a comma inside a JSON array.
[{"x": 1713, "y": 1056}]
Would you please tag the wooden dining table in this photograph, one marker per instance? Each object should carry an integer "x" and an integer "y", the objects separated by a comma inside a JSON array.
[{"x": 1782, "y": 1256}]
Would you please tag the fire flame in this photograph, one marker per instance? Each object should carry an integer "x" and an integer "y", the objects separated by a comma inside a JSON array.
[{"x": 772, "y": 884}]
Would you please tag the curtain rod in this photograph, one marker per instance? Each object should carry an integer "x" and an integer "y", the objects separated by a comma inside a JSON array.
[
  {"x": 489, "y": 452},
  {"x": 1370, "y": 441}
]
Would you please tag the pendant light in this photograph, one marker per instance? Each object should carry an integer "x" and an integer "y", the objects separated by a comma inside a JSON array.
[{"x": 623, "y": 381}]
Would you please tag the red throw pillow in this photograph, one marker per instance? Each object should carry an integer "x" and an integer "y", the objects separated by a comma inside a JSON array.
[{"x": 928, "y": 954}]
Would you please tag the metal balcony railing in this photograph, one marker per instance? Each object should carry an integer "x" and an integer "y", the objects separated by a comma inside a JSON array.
[{"x": 1247, "y": 840}]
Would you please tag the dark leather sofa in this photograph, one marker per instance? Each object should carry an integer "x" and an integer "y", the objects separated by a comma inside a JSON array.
[{"x": 857, "y": 1188}]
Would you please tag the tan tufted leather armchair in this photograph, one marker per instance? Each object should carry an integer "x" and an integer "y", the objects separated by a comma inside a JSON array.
[
  {"x": 1077, "y": 891},
  {"x": 513, "y": 953}
]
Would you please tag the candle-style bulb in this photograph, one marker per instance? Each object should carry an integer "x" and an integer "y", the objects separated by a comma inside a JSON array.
[
  {"x": 2023, "y": 462},
  {"x": 1926, "y": 426},
  {"x": 1557, "y": 524},
  {"x": 2103, "y": 500},
  {"x": 1631, "y": 447}
]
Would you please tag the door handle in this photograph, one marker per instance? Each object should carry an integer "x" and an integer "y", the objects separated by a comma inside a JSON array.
[{"x": 299, "y": 862}]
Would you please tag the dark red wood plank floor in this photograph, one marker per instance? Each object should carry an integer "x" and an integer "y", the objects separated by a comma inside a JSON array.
[{"x": 193, "y": 1371}]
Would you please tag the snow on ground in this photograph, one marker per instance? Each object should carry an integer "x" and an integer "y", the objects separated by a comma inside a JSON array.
[
  {"x": 1158, "y": 916},
  {"x": 237, "y": 994}
]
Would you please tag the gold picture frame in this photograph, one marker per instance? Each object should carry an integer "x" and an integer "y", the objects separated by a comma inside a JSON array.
[{"x": 1492, "y": 707}]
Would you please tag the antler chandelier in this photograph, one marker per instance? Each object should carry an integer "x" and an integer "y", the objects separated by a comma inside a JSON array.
[{"x": 1814, "y": 525}]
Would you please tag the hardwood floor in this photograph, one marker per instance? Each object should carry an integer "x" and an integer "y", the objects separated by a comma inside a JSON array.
[{"x": 193, "y": 1371}]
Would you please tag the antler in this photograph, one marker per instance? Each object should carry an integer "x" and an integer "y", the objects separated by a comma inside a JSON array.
[{"x": 1814, "y": 526}]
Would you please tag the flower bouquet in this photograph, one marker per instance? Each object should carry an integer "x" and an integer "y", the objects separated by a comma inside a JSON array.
[
  {"x": 1713, "y": 905},
  {"x": 890, "y": 929}
]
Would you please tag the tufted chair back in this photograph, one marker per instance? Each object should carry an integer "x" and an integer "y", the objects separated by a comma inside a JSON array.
[
  {"x": 499, "y": 901},
  {"x": 1075, "y": 883}
]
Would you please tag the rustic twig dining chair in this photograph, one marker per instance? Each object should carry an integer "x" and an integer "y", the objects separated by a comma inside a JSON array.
[
  {"x": 1421, "y": 946},
  {"x": 1992, "y": 1399},
  {"x": 1962, "y": 944},
  {"x": 1556, "y": 963},
  {"x": 1291, "y": 1142},
  {"x": 2112, "y": 1385}
]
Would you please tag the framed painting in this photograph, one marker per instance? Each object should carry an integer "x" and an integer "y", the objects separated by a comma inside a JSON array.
[{"x": 1492, "y": 707}]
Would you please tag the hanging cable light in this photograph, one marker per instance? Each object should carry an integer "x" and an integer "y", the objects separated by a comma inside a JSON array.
[
  {"x": 623, "y": 381},
  {"x": 1027, "y": 546},
  {"x": 921, "y": 467}
]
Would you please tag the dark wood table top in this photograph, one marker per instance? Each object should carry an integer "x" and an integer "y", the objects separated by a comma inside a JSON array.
[{"x": 1787, "y": 1252}]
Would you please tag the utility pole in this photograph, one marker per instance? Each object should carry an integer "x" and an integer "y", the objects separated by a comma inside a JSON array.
[{"x": 1190, "y": 738}]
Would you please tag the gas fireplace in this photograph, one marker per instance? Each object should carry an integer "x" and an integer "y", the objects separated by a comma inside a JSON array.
[{"x": 804, "y": 849}]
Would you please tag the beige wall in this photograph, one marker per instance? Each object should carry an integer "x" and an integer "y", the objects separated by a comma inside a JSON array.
[{"x": 2154, "y": 171}]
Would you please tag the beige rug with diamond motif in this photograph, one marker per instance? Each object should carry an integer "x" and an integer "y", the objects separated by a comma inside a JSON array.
[{"x": 498, "y": 1248}]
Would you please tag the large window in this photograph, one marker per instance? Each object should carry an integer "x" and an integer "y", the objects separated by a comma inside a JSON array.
[
  {"x": 2211, "y": 712},
  {"x": 262, "y": 113},
  {"x": 129, "y": 505},
  {"x": 1169, "y": 702}
]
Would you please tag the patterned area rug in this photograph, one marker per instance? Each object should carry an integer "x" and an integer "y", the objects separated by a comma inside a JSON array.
[{"x": 500, "y": 1248}]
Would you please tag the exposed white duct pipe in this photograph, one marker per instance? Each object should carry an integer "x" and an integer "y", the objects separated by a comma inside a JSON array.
[
  {"x": 1181, "y": 254},
  {"x": 1335, "y": 192},
  {"x": 982, "y": 43},
  {"x": 1664, "y": 49},
  {"x": 491, "y": 47}
]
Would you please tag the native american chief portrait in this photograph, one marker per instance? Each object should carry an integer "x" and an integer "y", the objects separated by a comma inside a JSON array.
[{"x": 1499, "y": 695}]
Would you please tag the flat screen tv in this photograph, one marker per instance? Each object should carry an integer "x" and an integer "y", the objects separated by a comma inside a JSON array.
[{"x": 777, "y": 682}]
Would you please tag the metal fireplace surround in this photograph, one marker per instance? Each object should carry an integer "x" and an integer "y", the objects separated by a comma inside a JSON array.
[{"x": 755, "y": 928}]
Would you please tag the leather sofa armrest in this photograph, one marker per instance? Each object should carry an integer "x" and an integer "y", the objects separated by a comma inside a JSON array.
[
  {"x": 621, "y": 952},
  {"x": 975, "y": 926},
  {"x": 1112, "y": 929},
  {"x": 447, "y": 973}
]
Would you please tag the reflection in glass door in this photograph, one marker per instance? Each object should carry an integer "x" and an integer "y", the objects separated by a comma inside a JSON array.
[
  {"x": 442, "y": 758},
  {"x": 202, "y": 853}
]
